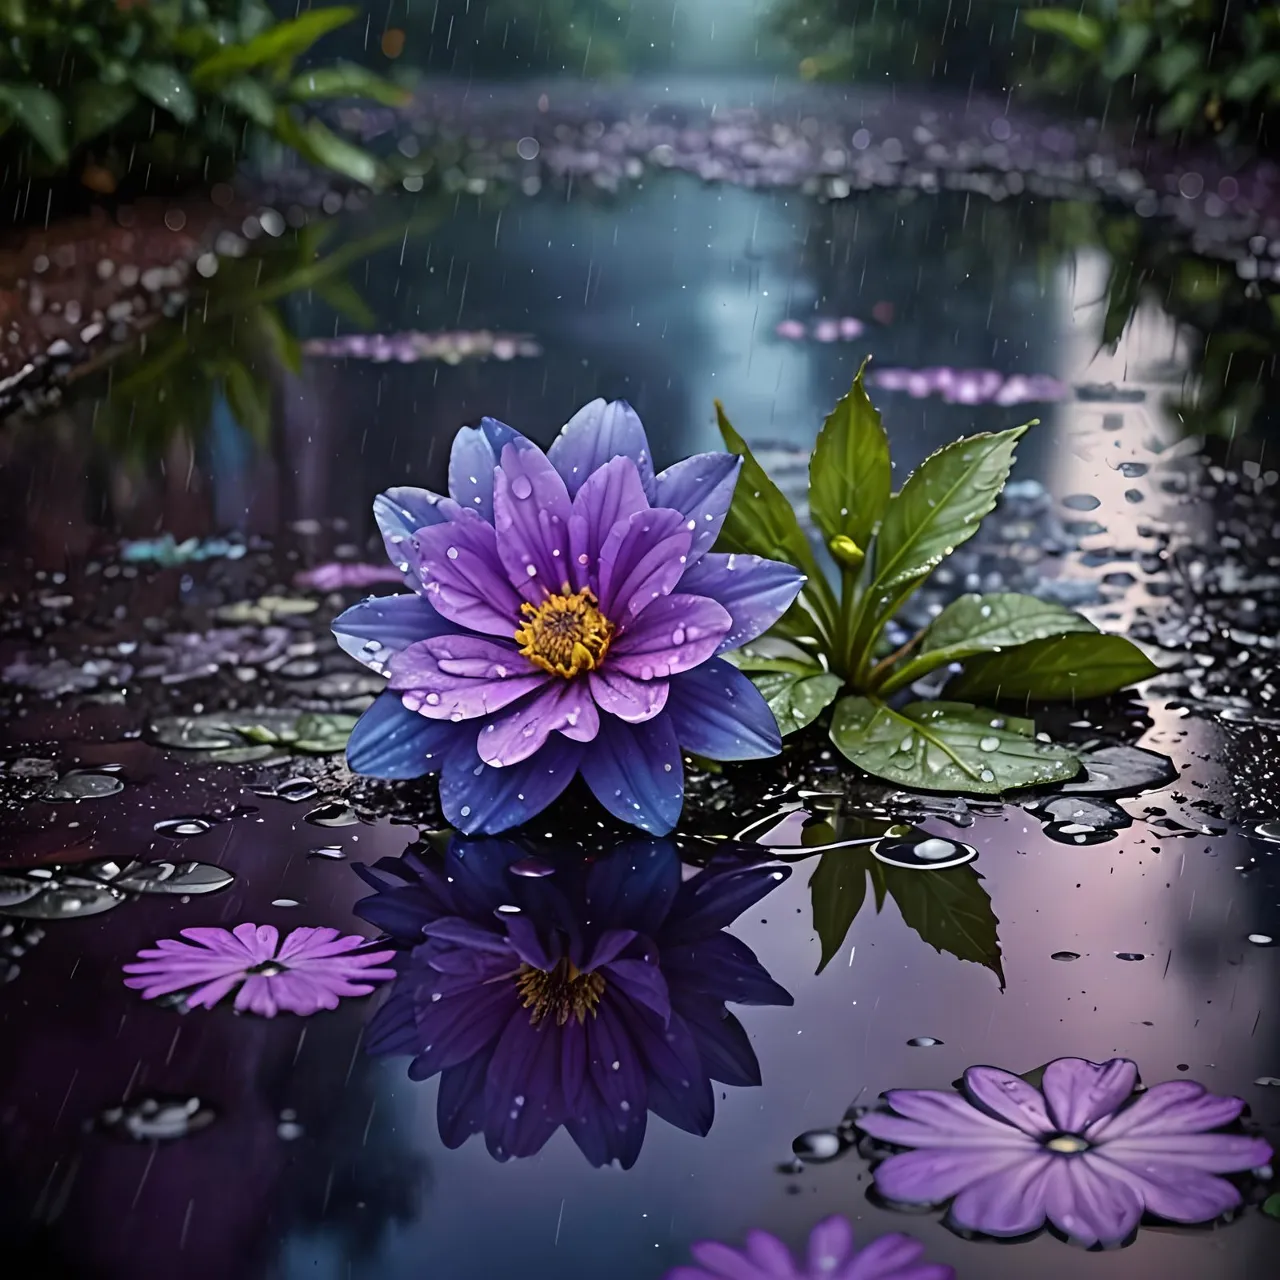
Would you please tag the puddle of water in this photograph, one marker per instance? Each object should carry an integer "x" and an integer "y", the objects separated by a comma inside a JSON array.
[{"x": 193, "y": 700}]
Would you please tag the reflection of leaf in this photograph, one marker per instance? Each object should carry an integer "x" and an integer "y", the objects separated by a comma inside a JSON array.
[
  {"x": 976, "y": 624},
  {"x": 946, "y": 746},
  {"x": 1066, "y": 668},
  {"x": 950, "y": 910},
  {"x": 837, "y": 889}
]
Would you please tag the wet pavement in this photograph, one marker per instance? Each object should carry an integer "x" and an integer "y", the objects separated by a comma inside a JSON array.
[{"x": 177, "y": 702}]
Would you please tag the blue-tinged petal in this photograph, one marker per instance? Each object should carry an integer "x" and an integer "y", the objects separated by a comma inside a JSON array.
[
  {"x": 701, "y": 489},
  {"x": 596, "y": 433},
  {"x": 390, "y": 741},
  {"x": 716, "y": 897},
  {"x": 757, "y": 592},
  {"x": 460, "y": 1102},
  {"x": 718, "y": 713},
  {"x": 523, "y": 1103},
  {"x": 633, "y": 886},
  {"x": 531, "y": 510},
  {"x": 636, "y": 772},
  {"x": 477, "y": 797},
  {"x": 611, "y": 494},
  {"x": 723, "y": 1046},
  {"x": 679, "y": 1090},
  {"x": 400, "y": 513},
  {"x": 456, "y": 1028},
  {"x": 616, "y": 1070},
  {"x": 643, "y": 982},
  {"x": 472, "y": 459},
  {"x": 722, "y": 967},
  {"x": 379, "y": 626}
]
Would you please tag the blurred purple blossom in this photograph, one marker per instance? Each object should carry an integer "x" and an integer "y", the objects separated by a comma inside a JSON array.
[
  {"x": 971, "y": 386},
  {"x": 338, "y": 575},
  {"x": 312, "y": 969},
  {"x": 1086, "y": 1152},
  {"x": 452, "y": 347},
  {"x": 830, "y": 1256}
]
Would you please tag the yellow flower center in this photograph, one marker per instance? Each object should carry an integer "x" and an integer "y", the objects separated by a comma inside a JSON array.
[
  {"x": 565, "y": 634},
  {"x": 1067, "y": 1144},
  {"x": 561, "y": 993}
]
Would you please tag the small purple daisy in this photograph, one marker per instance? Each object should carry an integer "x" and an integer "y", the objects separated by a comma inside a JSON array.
[
  {"x": 312, "y": 969},
  {"x": 567, "y": 617},
  {"x": 1086, "y": 1152},
  {"x": 831, "y": 1256}
]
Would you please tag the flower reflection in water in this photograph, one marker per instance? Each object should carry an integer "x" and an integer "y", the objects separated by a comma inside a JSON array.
[
  {"x": 1084, "y": 1151},
  {"x": 582, "y": 993},
  {"x": 830, "y": 1256}
]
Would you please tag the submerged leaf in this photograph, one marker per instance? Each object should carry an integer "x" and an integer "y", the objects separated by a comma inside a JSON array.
[
  {"x": 985, "y": 624},
  {"x": 849, "y": 480},
  {"x": 1064, "y": 668},
  {"x": 946, "y": 746}
]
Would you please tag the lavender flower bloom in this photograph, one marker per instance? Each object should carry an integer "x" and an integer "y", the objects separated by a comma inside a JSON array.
[
  {"x": 582, "y": 995},
  {"x": 311, "y": 970},
  {"x": 1086, "y": 1152},
  {"x": 831, "y": 1256},
  {"x": 566, "y": 617}
]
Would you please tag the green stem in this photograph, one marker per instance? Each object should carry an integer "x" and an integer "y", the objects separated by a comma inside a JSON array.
[{"x": 885, "y": 665}]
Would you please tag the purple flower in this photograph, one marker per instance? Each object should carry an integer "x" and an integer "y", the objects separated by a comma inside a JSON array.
[
  {"x": 831, "y": 1256},
  {"x": 1086, "y": 1152},
  {"x": 311, "y": 970},
  {"x": 551, "y": 992},
  {"x": 337, "y": 575},
  {"x": 567, "y": 616}
]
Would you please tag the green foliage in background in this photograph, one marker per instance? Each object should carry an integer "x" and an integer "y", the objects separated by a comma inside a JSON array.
[
  {"x": 1185, "y": 66},
  {"x": 232, "y": 339},
  {"x": 109, "y": 88},
  {"x": 829, "y": 648}
]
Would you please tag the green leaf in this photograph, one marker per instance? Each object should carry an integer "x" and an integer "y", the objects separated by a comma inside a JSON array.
[
  {"x": 984, "y": 624},
  {"x": 1253, "y": 77},
  {"x": 346, "y": 80},
  {"x": 1271, "y": 1206},
  {"x": 1124, "y": 53},
  {"x": 797, "y": 699},
  {"x": 40, "y": 113},
  {"x": 941, "y": 505},
  {"x": 849, "y": 480},
  {"x": 1067, "y": 668},
  {"x": 251, "y": 98},
  {"x": 279, "y": 44},
  {"x": 761, "y": 523},
  {"x": 345, "y": 299},
  {"x": 1082, "y": 30},
  {"x": 950, "y": 909},
  {"x": 167, "y": 87},
  {"x": 1174, "y": 64},
  {"x": 287, "y": 348},
  {"x": 318, "y": 143},
  {"x": 945, "y": 746},
  {"x": 98, "y": 107},
  {"x": 837, "y": 889},
  {"x": 1181, "y": 110},
  {"x": 249, "y": 398}
]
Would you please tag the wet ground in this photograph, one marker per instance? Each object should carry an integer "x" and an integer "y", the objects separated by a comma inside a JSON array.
[{"x": 172, "y": 698}]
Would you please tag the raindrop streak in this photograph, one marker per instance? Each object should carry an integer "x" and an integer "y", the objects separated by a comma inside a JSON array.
[
  {"x": 817, "y": 1146},
  {"x": 923, "y": 852}
]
